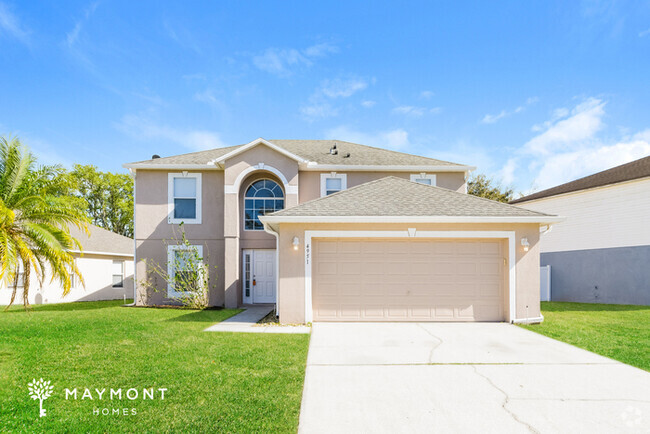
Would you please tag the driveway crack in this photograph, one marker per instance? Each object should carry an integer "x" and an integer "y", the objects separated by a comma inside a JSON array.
[
  {"x": 433, "y": 336},
  {"x": 504, "y": 405}
]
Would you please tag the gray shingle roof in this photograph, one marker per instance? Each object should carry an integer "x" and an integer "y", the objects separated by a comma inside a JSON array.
[
  {"x": 201, "y": 157},
  {"x": 317, "y": 151},
  {"x": 101, "y": 240},
  {"x": 626, "y": 172},
  {"x": 392, "y": 196}
]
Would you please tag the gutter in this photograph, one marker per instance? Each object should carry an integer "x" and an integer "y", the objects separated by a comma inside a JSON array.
[{"x": 410, "y": 219}]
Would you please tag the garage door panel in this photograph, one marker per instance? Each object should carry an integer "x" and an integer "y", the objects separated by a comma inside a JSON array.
[{"x": 408, "y": 280}]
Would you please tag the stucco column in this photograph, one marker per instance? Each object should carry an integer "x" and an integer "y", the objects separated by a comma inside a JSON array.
[
  {"x": 231, "y": 275},
  {"x": 231, "y": 249}
]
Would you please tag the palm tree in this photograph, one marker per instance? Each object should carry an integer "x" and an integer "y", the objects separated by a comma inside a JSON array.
[{"x": 34, "y": 223}]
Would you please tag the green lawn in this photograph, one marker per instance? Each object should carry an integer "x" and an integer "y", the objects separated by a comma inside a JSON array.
[
  {"x": 215, "y": 381},
  {"x": 621, "y": 332}
]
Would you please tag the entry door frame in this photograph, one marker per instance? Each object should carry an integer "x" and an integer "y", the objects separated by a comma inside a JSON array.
[
  {"x": 412, "y": 233},
  {"x": 248, "y": 278}
]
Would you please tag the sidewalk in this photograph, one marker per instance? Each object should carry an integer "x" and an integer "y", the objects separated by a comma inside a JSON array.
[{"x": 247, "y": 322}]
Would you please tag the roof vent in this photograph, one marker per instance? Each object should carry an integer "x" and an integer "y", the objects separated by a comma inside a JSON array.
[
  {"x": 154, "y": 156},
  {"x": 333, "y": 150},
  {"x": 347, "y": 155}
]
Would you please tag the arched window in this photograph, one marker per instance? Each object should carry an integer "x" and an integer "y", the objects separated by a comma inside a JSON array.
[{"x": 262, "y": 197}]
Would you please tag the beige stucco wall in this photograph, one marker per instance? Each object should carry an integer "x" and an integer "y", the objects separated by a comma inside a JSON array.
[
  {"x": 291, "y": 296},
  {"x": 310, "y": 181},
  {"x": 153, "y": 233},
  {"x": 97, "y": 273}
]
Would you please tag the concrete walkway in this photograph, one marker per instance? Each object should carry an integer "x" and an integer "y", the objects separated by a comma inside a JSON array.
[
  {"x": 433, "y": 377},
  {"x": 247, "y": 322}
]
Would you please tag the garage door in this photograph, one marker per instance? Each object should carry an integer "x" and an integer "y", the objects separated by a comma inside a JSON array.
[{"x": 408, "y": 280}]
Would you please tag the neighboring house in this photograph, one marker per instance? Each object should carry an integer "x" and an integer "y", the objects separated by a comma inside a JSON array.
[
  {"x": 601, "y": 253},
  {"x": 106, "y": 264},
  {"x": 336, "y": 231}
]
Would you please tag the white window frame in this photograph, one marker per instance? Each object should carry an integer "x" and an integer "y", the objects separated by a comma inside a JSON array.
[
  {"x": 113, "y": 274},
  {"x": 431, "y": 176},
  {"x": 243, "y": 206},
  {"x": 171, "y": 273},
  {"x": 170, "y": 198},
  {"x": 333, "y": 175}
]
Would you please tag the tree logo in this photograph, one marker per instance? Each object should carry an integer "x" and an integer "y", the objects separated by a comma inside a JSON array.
[{"x": 40, "y": 390}]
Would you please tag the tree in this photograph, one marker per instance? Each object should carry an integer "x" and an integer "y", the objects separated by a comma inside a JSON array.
[
  {"x": 187, "y": 273},
  {"x": 107, "y": 197},
  {"x": 34, "y": 223},
  {"x": 482, "y": 186}
]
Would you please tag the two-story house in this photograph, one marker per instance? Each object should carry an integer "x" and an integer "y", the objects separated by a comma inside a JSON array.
[{"x": 337, "y": 231}]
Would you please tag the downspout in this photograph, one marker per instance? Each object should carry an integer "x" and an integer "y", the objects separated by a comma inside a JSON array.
[
  {"x": 268, "y": 229},
  {"x": 135, "y": 244}
]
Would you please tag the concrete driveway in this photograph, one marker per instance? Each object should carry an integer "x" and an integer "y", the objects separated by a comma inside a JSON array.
[{"x": 433, "y": 377}]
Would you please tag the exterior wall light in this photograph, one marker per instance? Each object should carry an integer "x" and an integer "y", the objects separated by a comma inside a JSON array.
[
  {"x": 296, "y": 243},
  {"x": 524, "y": 242}
]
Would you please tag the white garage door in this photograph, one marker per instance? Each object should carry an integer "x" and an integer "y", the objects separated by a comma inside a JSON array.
[{"x": 408, "y": 280}]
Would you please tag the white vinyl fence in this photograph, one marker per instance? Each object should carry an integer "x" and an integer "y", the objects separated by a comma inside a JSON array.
[{"x": 545, "y": 283}]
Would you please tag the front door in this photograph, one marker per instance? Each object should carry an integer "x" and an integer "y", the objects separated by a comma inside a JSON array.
[{"x": 259, "y": 276}]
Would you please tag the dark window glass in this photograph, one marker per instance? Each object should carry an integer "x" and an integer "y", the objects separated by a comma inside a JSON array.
[
  {"x": 184, "y": 208},
  {"x": 262, "y": 197}
]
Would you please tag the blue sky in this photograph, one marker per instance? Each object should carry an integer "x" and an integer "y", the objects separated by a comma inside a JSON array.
[{"x": 533, "y": 93}]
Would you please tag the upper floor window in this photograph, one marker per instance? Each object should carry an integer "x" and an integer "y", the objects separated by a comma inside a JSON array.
[
  {"x": 262, "y": 197},
  {"x": 424, "y": 178},
  {"x": 332, "y": 182},
  {"x": 184, "y": 197}
]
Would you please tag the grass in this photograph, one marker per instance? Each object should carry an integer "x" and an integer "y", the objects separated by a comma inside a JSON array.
[
  {"x": 621, "y": 332},
  {"x": 216, "y": 381}
]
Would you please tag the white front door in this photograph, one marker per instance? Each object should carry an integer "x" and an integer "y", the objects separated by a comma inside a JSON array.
[{"x": 259, "y": 276}]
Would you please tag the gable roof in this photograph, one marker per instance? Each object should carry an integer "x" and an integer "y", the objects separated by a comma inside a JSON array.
[
  {"x": 626, "y": 172},
  {"x": 103, "y": 241},
  {"x": 312, "y": 154},
  {"x": 391, "y": 198}
]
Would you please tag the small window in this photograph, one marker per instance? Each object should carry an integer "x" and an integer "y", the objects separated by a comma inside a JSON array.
[
  {"x": 21, "y": 278},
  {"x": 118, "y": 274},
  {"x": 262, "y": 197},
  {"x": 331, "y": 183},
  {"x": 184, "y": 191},
  {"x": 424, "y": 178}
]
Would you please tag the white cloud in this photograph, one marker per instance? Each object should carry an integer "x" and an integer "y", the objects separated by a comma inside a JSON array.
[
  {"x": 416, "y": 112},
  {"x": 567, "y": 166},
  {"x": 11, "y": 25},
  {"x": 410, "y": 110},
  {"x": 342, "y": 88},
  {"x": 282, "y": 61},
  {"x": 318, "y": 110},
  {"x": 491, "y": 119},
  {"x": 583, "y": 123},
  {"x": 368, "y": 103},
  {"x": 73, "y": 35},
  {"x": 320, "y": 106},
  {"x": 569, "y": 146},
  {"x": 143, "y": 128},
  {"x": 426, "y": 94},
  {"x": 320, "y": 50},
  {"x": 397, "y": 139},
  {"x": 643, "y": 33}
]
